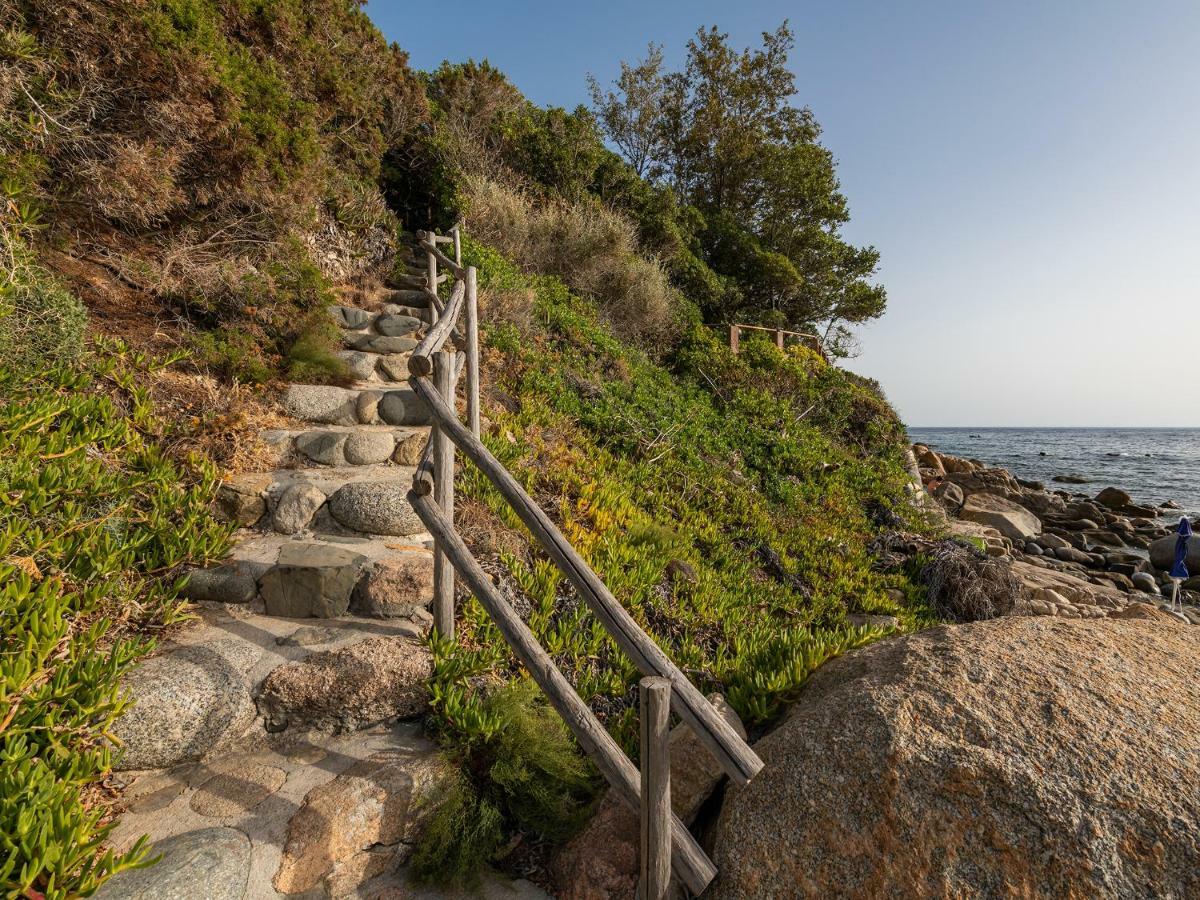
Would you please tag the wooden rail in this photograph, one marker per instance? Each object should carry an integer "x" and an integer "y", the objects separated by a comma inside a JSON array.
[
  {"x": 810, "y": 340},
  {"x": 433, "y": 375}
]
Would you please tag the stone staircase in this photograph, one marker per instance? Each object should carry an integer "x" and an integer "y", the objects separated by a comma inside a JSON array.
[{"x": 275, "y": 748}]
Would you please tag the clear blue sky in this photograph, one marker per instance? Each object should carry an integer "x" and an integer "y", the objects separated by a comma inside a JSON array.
[{"x": 1030, "y": 172}]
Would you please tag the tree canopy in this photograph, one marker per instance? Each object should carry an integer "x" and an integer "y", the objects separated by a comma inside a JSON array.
[{"x": 725, "y": 135}]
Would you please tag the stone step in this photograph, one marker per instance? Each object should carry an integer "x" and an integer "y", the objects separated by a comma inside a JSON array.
[
  {"x": 322, "y": 575},
  {"x": 346, "y": 445},
  {"x": 342, "y": 499},
  {"x": 365, "y": 404},
  {"x": 375, "y": 367}
]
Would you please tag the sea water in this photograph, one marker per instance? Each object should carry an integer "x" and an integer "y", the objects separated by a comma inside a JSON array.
[{"x": 1152, "y": 464}]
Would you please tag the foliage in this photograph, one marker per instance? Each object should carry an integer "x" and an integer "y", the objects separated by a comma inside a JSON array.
[
  {"x": 725, "y": 135},
  {"x": 595, "y": 250},
  {"x": 200, "y": 150},
  {"x": 731, "y": 524},
  {"x": 519, "y": 769},
  {"x": 313, "y": 358},
  {"x": 94, "y": 522}
]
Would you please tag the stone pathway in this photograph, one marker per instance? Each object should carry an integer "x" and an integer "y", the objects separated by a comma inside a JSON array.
[{"x": 275, "y": 747}]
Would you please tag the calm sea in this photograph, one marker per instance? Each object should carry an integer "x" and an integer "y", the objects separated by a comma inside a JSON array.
[{"x": 1153, "y": 464}]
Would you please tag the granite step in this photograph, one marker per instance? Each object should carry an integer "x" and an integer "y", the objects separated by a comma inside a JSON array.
[
  {"x": 363, "y": 404},
  {"x": 345, "y": 445}
]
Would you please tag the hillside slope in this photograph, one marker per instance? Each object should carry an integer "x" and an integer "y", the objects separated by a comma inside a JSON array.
[{"x": 202, "y": 178}]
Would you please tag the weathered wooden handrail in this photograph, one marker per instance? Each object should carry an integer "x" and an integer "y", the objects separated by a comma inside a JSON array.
[
  {"x": 419, "y": 362},
  {"x": 441, "y": 257},
  {"x": 779, "y": 333},
  {"x": 731, "y": 752},
  {"x": 432, "y": 497},
  {"x": 688, "y": 860}
]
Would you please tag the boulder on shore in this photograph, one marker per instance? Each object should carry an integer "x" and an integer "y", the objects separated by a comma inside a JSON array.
[
  {"x": 1013, "y": 521},
  {"x": 1162, "y": 553},
  {"x": 1029, "y": 757},
  {"x": 1113, "y": 498}
]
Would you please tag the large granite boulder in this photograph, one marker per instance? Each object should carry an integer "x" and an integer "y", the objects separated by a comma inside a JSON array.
[
  {"x": 1030, "y": 757},
  {"x": 350, "y": 688},
  {"x": 1162, "y": 553},
  {"x": 1013, "y": 521},
  {"x": 188, "y": 703}
]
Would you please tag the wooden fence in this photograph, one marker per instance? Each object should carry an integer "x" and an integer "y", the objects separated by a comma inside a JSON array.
[
  {"x": 434, "y": 370},
  {"x": 811, "y": 341}
]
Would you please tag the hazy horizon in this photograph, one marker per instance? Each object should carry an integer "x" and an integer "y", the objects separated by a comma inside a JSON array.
[{"x": 1030, "y": 173}]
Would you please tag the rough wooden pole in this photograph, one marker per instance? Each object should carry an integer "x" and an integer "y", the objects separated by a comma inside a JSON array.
[
  {"x": 733, "y": 338},
  {"x": 778, "y": 338},
  {"x": 691, "y": 864},
  {"x": 655, "y": 708},
  {"x": 457, "y": 245},
  {"x": 472, "y": 349},
  {"x": 431, "y": 274},
  {"x": 443, "y": 495}
]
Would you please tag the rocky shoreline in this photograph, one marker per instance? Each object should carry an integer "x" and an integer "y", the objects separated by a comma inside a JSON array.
[{"x": 1076, "y": 555}]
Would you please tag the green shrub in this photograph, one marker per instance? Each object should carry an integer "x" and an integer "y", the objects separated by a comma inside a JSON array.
[
  {"x": 519, "y": 770},
  {"x": 95, "y": 524},
  {"x": 313, "y": 357},
  {"x": 40, "y": 321},
  {"x": 230, "y": 353}
]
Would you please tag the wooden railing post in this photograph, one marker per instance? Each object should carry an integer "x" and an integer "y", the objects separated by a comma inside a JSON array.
[
  {"x": 733, "y": 338},
  {"x": 779, "y": 338},
  {"x": 472, "y": 349},
  {"x": 457, "y": 244},
  {"x": 431, "y": 273},
  {"x": 443, "y": 495},
  {"x": 654, "y": 694}
]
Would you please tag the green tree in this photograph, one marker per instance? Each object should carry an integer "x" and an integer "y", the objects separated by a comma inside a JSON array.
[
  {"x": 631, "y": 118},
  {"x": 727, "y": 137}
]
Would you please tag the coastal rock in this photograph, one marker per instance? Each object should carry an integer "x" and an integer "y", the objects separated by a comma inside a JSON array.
[
  {"x": 950, "y": 763},
  {"x": 349, "y": 688},
  {"x": 1162, "y": 553},
  {"x": 1070, "y": 479},
  {"x": 1113, "y": 498},
  {"x": 1014, "y": 522}
]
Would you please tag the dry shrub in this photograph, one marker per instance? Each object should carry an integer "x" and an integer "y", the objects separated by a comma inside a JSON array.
[
  {"x": 966, "y": 585},
  {"x": 593, "y": 249}
]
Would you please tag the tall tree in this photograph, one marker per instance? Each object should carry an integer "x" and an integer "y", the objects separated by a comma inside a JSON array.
[
  {"x": 727, "y": 136},
  {"x": 630, "y": 118}
]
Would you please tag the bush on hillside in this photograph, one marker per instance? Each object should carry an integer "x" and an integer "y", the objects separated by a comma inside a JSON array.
[
  {"x": 519, "y": 770},
  {"x": 593, "y": 249},
  {"x": 202, "y": 150}
]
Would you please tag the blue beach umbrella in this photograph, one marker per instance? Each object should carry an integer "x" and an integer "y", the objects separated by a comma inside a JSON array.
[{"x": 1180, "y": 569}]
